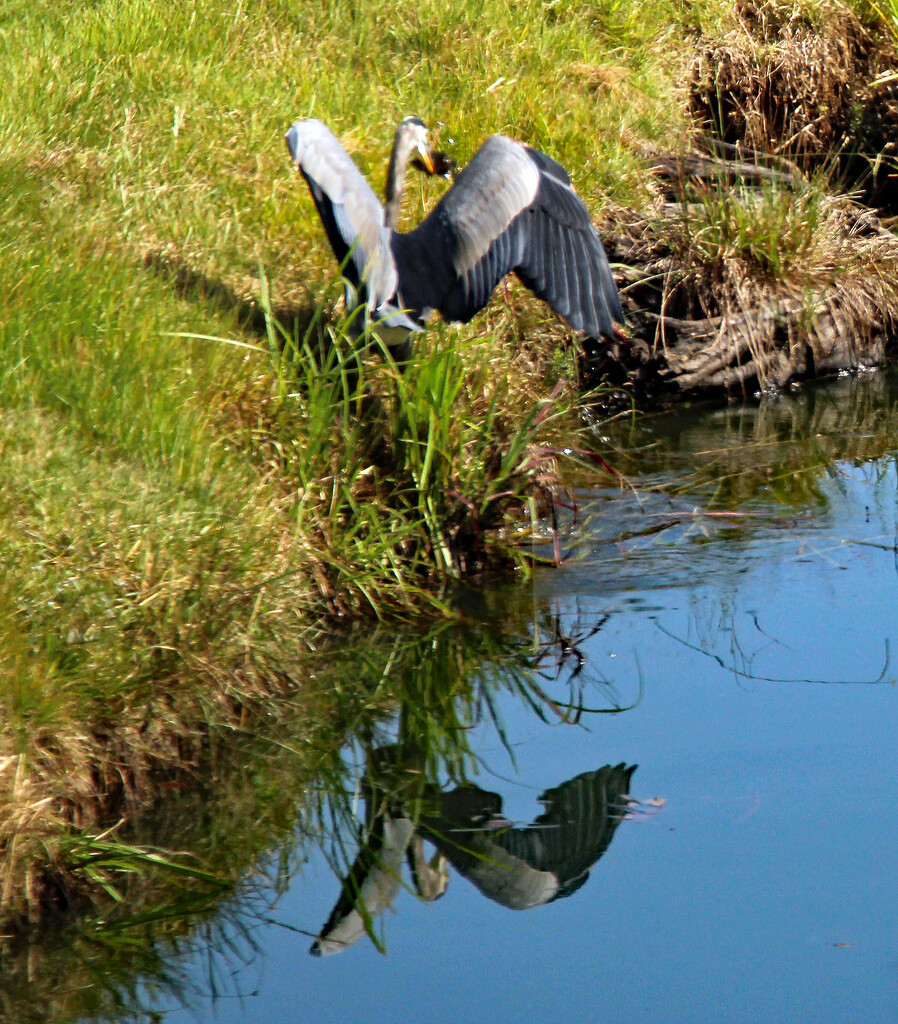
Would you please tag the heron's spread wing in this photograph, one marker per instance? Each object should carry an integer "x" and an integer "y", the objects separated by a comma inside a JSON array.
[
  {"x": 350, "y": 211},
  {"x": 512, "y": 208},
  {"x": 521, "y": 867},
  {"x": 579, "y": 822}
]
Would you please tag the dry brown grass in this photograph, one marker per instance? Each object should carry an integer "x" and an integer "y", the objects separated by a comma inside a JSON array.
[
  {"x": 78, "y": 778},
  {"x": 762, "y": 270},
  {"x": 74, "y": 777},
  {"x": 800, "y": 81},
  {"x": 724, "y": 309}
]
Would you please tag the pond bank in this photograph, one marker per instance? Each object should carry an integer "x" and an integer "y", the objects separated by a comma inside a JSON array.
[
  {"x": 189, "y": 502},
  {"x": 766, "y": 256},
  {"x": 707, "y": 324}
]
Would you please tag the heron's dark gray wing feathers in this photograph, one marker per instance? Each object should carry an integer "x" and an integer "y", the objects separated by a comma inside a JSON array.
[
  {"x": 511, "y": 209},
  {"x": 548, "y": 166},
  {"x": 579, "y": 822},
  {"x": 564, "y": 262}
]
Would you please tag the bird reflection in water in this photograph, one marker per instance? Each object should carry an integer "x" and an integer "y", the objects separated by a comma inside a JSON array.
[{"x": 516, "y": 866}]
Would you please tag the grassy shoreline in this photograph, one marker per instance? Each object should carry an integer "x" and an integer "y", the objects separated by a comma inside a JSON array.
[{"x": 178, "y": 511}]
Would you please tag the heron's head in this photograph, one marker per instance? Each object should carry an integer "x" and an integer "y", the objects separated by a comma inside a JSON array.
[
  {"x": 412, "y": 136},
  {"x": 416, "y": 137}
]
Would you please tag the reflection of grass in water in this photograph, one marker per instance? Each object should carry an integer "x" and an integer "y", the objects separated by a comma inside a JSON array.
[
  {"x": 427, "y": 743},
  {"x": 739, "y": 642},
  {"x": 279, "y": 784},
  {"x": 781, "y": 451}
]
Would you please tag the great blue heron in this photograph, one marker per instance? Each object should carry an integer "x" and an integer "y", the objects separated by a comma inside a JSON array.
[
  {"x": 518, "y": 867},
  {"x": 511, "y": 209}
]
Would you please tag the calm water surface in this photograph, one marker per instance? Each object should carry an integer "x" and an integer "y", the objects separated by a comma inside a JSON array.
[{"x": 757, "y": 877}]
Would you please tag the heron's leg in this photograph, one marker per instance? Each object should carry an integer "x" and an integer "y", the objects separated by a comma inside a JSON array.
[
  {"x": 352, "y": 372},
  {"x": 402, "y": 352},
  {"x": 430, "y": 877}
]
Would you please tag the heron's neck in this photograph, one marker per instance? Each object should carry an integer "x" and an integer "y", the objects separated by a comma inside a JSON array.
[{"x": 395, "y": 187}]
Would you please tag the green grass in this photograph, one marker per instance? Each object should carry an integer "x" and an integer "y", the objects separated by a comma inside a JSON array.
[
  {"x": 134, "y": 131},
  {"x": 773, "y": 231}
]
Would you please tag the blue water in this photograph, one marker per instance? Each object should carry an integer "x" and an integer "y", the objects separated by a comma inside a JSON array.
[{"x": 758, "y": 878}]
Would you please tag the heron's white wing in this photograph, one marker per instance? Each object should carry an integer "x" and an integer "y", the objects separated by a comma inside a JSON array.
[
  {"x": 352, "y": 215},
  {"x": 512, "y": 208}
]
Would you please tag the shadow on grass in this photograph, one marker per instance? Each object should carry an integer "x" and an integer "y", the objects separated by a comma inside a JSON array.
[{"x": 295, "y": 318}]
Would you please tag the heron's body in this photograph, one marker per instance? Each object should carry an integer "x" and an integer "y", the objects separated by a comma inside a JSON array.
[{"x": 511, "y": 209}]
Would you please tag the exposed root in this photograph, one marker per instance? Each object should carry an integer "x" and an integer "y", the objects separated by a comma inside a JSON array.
[{"x": 708, "y": 315}]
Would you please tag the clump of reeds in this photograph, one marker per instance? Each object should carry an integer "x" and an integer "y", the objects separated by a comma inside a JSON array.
[
  {"x": 747, "y": 288},
  {"x": 808, "y": 82},
  {"x": 401, "y": 479}
]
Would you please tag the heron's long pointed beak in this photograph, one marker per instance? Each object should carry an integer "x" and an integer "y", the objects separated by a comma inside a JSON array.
[{"x": 427, "y": 159}]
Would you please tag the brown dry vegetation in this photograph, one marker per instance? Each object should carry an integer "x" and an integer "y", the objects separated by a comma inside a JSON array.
[
  {"x": 754, "y": 266},
  {"x": 809, "y": 82},
  {"x": 79, "y": 778}
]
